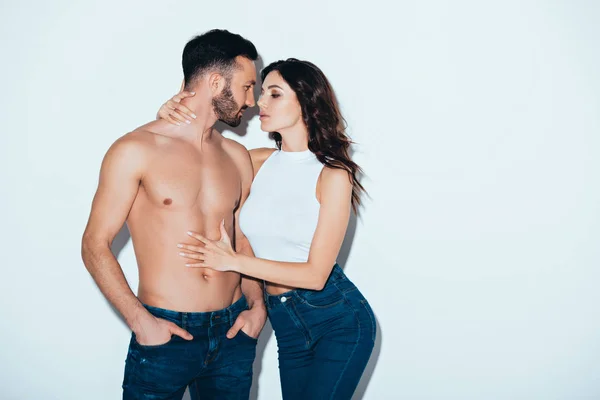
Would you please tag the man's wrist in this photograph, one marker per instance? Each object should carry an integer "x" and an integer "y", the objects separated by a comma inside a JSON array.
[
  {"x": 140, "y": 319},
  {"x": 257, "y": 305}
]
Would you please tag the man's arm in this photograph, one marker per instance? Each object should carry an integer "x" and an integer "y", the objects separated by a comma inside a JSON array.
[
  {"x": 120, "y": 176},
  {"x": 251, "y": 288}
]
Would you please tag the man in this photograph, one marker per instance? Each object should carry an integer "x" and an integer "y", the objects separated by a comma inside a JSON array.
[{"x": 163, "y": 180}]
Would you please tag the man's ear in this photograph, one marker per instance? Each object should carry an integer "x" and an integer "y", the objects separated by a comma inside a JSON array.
[{"x": 216, "y": 83}]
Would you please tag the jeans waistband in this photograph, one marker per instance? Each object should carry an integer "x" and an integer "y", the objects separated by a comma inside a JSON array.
[
  {"x": 208, "y": 318},
  {"x": 337, "y": 276}
]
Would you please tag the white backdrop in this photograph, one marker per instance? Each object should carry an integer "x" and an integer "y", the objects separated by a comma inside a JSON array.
[{"x": 478, "y": 128}]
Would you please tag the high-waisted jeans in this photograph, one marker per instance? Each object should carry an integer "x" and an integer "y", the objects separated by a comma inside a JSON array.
[{"x": 324, "y": 338}]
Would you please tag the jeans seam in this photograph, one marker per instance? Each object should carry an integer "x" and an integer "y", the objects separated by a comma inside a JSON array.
[
  {"x": 212, "y": 338},
  {"x": 295, "y": 315},
  {"x": 304, "y": 301},
  {"x": 353, "y": 350},
  {"x": 196, "y": 387},
  {"x": 134, "y": 366},
  {"x": 372, "y": 318},
  {"x": 348, "y": 290}
]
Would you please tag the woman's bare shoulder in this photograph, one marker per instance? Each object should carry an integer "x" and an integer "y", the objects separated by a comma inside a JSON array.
[{"x": 261, "y": 154}]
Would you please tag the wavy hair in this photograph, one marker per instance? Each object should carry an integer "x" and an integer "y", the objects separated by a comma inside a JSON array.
[{"x": 327, "y": 137}]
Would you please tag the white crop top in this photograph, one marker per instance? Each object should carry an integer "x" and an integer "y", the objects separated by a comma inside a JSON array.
[{"x": 280, "y": 215}]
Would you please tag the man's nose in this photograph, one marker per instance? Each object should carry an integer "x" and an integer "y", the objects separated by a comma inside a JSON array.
[{"x": 250, "y": 102}]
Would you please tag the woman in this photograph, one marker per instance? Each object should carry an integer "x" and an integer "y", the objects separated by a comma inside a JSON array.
[{"x": 296, "y": 218}]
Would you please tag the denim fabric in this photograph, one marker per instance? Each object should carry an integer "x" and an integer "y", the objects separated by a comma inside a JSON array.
[
  {"x": 324, "y": 338},
  {"x": 213, "y": 366}
]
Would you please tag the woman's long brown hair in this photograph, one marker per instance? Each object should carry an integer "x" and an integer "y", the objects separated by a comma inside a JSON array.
[{"x": 327, "y": 137}]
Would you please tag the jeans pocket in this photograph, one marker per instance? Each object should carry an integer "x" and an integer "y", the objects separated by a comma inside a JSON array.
[
  {"x": 329, "y": 297},
  {"x": 245, "y": 335},
  {"x": 151, "y": 346}
]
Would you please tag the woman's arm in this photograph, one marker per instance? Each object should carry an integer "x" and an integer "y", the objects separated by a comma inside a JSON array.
[
  {"x": 335, "y": 197},
  {"x": 175, "y": 112}
]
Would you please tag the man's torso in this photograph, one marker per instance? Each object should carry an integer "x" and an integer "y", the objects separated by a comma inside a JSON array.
[{"x": 183, "y": 188}]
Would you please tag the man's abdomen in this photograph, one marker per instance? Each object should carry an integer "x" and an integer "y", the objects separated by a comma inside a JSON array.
[
  {"x": 188, "y": 293},
  {"x": 164, "y": 280}
]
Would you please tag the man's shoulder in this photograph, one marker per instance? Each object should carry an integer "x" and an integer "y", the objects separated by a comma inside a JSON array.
[
  {"x": 137, "y": 140},
  {"x": 234, "y": 146},
  {"x": 235, "y": 149},
  {"x": 152, "y": 132},
  {"x": 133, "y": 146},
  {"x": 146, "y": 137}
]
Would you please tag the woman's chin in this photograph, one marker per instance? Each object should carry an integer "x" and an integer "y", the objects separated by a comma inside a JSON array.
[{"x": 264, "y": 126}]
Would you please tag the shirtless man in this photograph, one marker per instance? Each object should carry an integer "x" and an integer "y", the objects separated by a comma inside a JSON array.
[{"x": 190, "y": 327}]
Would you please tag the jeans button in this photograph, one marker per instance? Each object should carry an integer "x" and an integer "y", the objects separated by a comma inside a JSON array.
[{"x": 283, "y": 299}]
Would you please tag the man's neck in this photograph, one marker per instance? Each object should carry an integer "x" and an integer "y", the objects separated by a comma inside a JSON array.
[{"x": 200, "y": 128}]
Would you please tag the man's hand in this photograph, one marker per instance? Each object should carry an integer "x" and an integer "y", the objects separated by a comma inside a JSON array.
[
  {"x": 250, "y": 322},
  {"x": 156, "y": 331}
]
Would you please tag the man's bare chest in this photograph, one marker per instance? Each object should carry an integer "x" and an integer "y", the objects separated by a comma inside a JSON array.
[{"x": 184, "y": 182}]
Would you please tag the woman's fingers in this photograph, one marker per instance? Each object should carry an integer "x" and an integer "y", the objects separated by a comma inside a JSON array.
[
  {"x": 180, "y": 108},
  {"x": 192, "y": 256},
  {"x": 196, "y": 249},
  {"x": 197, "y": 265},
  {"x": 176, "y": 115},
  {"x": 199, "y": 237}
]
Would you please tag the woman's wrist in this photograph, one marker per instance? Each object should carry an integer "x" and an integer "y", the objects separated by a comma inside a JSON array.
[{"x": 237, "y": 263}]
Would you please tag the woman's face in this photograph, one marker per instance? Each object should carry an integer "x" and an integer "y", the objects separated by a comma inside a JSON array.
[{"x": 279, "y": 106}]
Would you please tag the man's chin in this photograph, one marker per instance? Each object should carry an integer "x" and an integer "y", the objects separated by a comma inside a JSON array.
[{"x": 233, "y": 123}]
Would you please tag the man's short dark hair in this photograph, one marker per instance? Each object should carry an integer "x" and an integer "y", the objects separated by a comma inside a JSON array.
[{"x": 214, "y": 50}]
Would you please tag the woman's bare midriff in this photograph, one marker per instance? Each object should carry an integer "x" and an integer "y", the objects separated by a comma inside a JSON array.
[{"x": 275, "y": 289}]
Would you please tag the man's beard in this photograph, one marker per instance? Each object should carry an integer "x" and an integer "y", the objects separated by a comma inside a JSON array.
[{"x": 226, "y": 108}]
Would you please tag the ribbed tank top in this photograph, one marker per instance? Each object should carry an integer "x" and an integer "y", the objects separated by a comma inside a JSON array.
[{"x": 280, "y": 215}]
